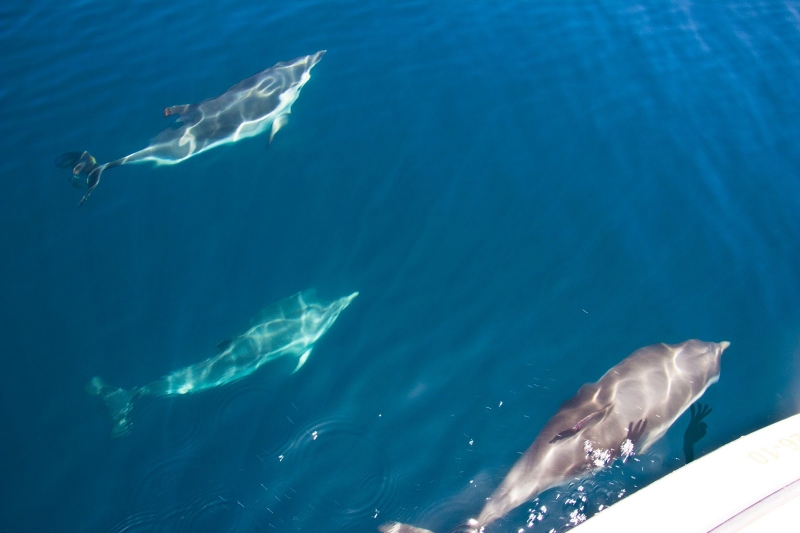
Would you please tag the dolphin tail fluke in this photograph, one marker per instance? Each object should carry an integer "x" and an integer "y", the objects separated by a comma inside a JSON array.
[
  {"x": 85, "y": 170},
  {"x": 69, "y": 159},
  {"x": 118, "y": 403},
  {"x": 92, "y": 181}
]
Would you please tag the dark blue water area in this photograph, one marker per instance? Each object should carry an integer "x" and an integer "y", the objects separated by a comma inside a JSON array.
[{"x": 523, "y": 193}]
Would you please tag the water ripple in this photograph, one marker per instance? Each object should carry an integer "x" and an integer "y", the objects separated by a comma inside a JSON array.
[
  {"x": 357, "y": 480},
  {"x": 519, "y": 188}
]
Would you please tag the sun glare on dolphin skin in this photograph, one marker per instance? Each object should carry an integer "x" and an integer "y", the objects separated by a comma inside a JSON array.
[{"x": 288, "y": 328}]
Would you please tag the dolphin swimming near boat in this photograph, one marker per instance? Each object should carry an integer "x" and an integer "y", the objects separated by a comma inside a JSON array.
[
  {"x": 252, "y": 106},
  {"x": 288, "y": 328},
  {"x": 623, "y": 413}
]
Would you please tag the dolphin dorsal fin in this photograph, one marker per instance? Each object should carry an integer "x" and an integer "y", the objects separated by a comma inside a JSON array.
[{"x": 574, "y": 430}]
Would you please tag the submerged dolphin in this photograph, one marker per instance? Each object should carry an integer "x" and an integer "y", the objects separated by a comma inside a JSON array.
[
  {"x": 289, "y": 327},
  {"x": 626, "y": 411},
  {"x": 262, "y": 101}
]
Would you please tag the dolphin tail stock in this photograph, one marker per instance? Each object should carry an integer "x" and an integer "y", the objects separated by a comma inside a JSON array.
[
  {"x": 85, "y": 170},
  {"x": 118, "y": 402}
]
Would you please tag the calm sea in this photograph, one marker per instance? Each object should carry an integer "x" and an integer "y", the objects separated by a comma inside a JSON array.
[{"x": 522, "y": 192}]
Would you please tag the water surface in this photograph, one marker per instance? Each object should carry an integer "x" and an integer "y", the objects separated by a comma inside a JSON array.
[{"x": 522, "y": 194}]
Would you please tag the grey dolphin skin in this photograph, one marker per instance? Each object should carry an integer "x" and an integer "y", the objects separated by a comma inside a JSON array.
[
  {"x": 625, "y": 412},
  {"x": 262, "y": 101},
  {"x": 288, "y": 328}
]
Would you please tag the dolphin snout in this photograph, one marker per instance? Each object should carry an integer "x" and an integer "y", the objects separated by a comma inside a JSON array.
[
  {"x": 316, "y": 57},
  {"x": 724, "y": 346}
]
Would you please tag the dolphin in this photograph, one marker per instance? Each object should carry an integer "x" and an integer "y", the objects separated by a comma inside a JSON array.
[
  {"x": 623, "y": 413},
  {"x": 252, "y": 106},
  {"x": 288, "y": 328}
]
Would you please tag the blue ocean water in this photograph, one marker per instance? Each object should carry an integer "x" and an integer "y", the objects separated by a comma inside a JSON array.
[{"x": 523, "y": 193}]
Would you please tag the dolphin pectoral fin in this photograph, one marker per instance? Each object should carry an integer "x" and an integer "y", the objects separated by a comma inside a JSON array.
[
  {"x": 574, "y": 430},
  {"x": 302, "y": 361},
  {"x": 279, "y": 122},
  {"x": 176, "y": 110}
]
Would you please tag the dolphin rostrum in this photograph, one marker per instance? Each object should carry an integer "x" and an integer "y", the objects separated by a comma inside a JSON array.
[
  {"x": 288, "y": 328},
  {"x": 262, "y": 101},
  {"x": 625, "y": 412}
]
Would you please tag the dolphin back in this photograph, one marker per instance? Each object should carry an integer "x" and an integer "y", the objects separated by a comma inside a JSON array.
[{"x": 291, "y": 307}]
